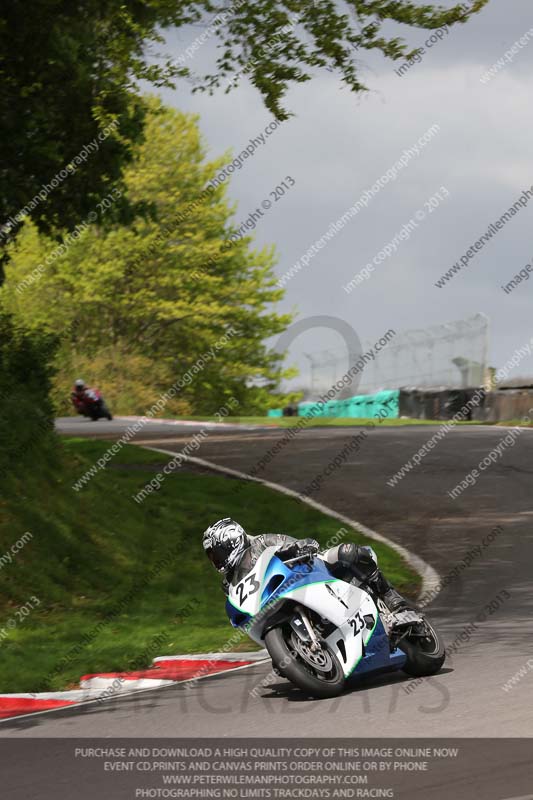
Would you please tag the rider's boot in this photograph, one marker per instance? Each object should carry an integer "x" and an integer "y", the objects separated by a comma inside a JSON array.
[{"x": 383, "y": 589}]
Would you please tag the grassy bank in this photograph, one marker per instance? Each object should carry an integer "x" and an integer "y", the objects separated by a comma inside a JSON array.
[{"x": 117, "y": 582}]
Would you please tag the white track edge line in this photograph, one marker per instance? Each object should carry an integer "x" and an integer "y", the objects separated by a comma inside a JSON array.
[{"x": 430, "y": 576}]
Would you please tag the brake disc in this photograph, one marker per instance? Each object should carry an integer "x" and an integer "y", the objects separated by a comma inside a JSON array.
[{"x": 318, "y": 659}]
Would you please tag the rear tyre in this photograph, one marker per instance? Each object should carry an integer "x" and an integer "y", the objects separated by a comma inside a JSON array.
[
  {"x": 424, "y": 649},
  {"x": 311, "y": 680}
]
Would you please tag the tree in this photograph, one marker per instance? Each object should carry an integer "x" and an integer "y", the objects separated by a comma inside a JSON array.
[
  {"x": 68, "y": 82},
  {"x": 70, "y": 70},
  {"x": 169, "y": 289}
]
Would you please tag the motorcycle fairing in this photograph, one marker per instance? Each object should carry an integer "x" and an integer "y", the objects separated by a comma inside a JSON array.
[{"x": 253, "y": 600}]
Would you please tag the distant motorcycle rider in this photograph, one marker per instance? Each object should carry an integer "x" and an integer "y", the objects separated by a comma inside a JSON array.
[
  {"x": 233, "y": 552},
  {"x": 89, "y": 402},
  {"x": 77, "y": 395}
]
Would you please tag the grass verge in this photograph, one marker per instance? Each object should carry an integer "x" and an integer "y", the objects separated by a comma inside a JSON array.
[
  {"x": 325, "y": 422},
  {"x": 119, "y": 583}
]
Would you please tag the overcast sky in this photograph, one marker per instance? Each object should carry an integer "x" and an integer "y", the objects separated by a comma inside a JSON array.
[{"x": 339, "y": 144}]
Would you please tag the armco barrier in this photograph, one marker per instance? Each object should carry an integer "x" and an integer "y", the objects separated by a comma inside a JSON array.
[
  {"x": 497, "y": 406},
  {"x": 506, "y": 404},
  {"x": 442, "y": 405}
]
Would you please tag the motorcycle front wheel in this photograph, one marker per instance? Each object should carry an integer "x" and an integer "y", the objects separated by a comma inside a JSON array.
[{"x": 318, "y": 674}]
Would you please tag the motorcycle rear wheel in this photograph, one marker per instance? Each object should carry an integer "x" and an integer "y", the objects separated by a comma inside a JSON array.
[{"x": 295, "y": 669}]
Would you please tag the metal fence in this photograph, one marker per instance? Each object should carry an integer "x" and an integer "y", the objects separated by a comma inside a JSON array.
[{"x": 449, "y": 356}]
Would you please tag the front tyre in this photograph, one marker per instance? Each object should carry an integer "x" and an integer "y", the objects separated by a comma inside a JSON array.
[
  {"x": 424, "y": 649},
  {"x": 317, "y": 675}
]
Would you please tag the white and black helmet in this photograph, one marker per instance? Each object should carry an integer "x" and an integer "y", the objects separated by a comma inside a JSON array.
[{"x": 224, "y": 544}]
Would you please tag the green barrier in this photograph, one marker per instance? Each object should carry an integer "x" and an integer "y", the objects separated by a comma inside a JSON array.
[
  {"x": 275, "y": 412},
  {"x": 357, "y": 407},
  {"x": 388, "y": 404},
  {"x": 381, "y": 405},
  {"x": 369, "y": 406}
]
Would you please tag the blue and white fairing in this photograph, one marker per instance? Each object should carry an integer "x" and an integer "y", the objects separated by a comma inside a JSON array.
[{"x": 359, "y": 640}]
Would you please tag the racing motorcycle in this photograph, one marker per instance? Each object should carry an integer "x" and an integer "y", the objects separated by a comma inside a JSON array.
[
  {"x": 93, "y": 405},
  {"x": 321, "y": 631}
]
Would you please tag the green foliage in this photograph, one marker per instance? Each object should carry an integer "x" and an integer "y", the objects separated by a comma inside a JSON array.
[
  {"x": 26, "y": 413},
  {"x": 128, "y": 392},
  {"x": 162, "y": 292},
  {"x": 64, "y": 76},
  {"x": 71, "y": 69},
  {"x": 278, "y": 44}
]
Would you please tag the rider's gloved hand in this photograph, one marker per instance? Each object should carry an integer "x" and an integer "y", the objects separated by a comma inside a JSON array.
[{"x": 300, "y": 548}]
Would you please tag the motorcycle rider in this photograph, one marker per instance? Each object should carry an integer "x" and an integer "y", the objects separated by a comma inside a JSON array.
[
  {"x": 89, "y": 402},
  {"x": 233, "y": 552},
  {"x": 77, "y": 395}
]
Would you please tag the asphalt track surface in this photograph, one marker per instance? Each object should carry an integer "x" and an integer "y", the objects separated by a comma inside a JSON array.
[{"x": 466, "y": 699}]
